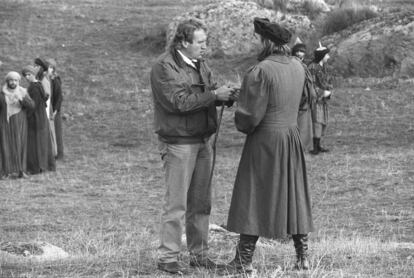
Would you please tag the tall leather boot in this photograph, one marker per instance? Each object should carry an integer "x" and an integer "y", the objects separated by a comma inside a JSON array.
[
  {"x": 320, "y": 148},
  {"x": 316, "y": 143},
  {"x": 242, "y": 262},
  {"x": 301, "y": 246}
]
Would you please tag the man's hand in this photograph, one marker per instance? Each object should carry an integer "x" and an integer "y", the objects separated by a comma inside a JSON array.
[{"x": 224, "y": 92}]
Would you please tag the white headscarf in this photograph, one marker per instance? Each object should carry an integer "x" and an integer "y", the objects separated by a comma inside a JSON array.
[{"x": 13, "y": 96}]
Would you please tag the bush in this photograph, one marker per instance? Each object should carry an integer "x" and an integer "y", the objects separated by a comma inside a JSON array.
[
  {"x": 311, "y": 9},
  {"x": 343, "y": 18}
]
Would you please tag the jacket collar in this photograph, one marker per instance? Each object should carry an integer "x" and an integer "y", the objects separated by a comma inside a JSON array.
[{"x": 279, "y": 59}]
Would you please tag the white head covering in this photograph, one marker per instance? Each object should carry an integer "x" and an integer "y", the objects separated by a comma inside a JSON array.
[{"x": 13, "y": 75}]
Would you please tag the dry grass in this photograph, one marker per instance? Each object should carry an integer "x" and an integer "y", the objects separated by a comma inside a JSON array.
[{"x": 102, "y": 204}]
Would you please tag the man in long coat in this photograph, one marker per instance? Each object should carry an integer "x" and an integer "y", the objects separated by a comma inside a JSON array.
[{"x": 271, "y": 196}]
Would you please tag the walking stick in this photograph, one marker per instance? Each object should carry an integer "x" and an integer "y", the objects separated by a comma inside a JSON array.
[{"x": 214, "y": 143}]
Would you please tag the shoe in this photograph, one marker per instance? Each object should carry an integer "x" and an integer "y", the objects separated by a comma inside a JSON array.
[
  {"x": 242, "y": 262},
  {"x": 315, "y": 150},
  {"x": 173, "y": 268},
  {"x": 206, "y": 263}
]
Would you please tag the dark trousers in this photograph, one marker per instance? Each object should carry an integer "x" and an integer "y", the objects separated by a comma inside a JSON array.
[{"x": 59, "y": 135}]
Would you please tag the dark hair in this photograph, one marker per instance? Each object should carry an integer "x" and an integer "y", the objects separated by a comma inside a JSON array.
[
  {"x": 185, "y": 32},
  {"x": 270, "y": 48}
]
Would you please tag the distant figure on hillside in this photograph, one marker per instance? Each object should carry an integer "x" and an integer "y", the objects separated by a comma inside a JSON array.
[
  {"x": 57, "y": 98},
  {"x": 323, "y": 89},
  {"x": 271, "y": 197},
  {"x": 308, "y": 96},
  {"x": 39, "y": 146},
  {"x": 44, "y": 76},
  {"x": 14, "y": 101},
  {"x": 185, "y": 98}
]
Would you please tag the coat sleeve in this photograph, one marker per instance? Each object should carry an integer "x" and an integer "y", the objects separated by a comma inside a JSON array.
[
  {"x": 27, "y": 103},
  {"x": 253, "y": 100},
  {"x": 175, "y": 94}
]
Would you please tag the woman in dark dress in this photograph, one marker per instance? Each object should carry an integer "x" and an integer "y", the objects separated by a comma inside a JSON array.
[
  {"x": 271, "y": 197},
  {"x": 39, "y": 146}
]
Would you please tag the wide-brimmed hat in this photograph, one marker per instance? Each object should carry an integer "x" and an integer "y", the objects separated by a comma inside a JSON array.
[
  {"x": 320, "y": 52},
  {"x": 272, "y": 31}
]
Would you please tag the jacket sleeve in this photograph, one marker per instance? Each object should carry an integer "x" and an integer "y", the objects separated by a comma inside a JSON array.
[
  {"x": 253, "y": 100},
  {"x": 175, "y": 94}
]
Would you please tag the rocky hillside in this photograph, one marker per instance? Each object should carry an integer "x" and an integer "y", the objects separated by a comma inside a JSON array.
[
  {"x": 230, "y": 25},
  {"x": 379, "y": 47}
]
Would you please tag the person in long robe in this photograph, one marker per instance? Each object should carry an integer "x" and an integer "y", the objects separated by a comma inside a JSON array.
[
  {"x": 308, "y": 98},
  {"x": 271, "y": 196},
  {"x": 40, "y": 156},
  {"x": 44, "y": 73},
  {"x": 57, "y": 98},
  {"x": 14, "y": 101}
]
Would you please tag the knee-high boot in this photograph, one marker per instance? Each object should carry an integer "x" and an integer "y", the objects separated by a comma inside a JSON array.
[
  {"x": 316, "y": 142},
  {"x": 301, "y": 246},
  {"x": 242, "y": 262}
]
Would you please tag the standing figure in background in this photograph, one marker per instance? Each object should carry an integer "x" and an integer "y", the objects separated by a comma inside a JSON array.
[
  {"x": 40, "y": 156},
  {"x": 43, "y": 75},
  {"x": 185, "y": 99},
  {"x": 57, "y": 98},
  {"x": 323, "y": 89},
  {"x": 308, "y": 97},
  {"x": 14, "y": 101},
  {"x": 271, "y": 196}
]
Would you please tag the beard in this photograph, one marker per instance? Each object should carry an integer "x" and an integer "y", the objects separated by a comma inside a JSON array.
[{"x": 11, "y": 86}]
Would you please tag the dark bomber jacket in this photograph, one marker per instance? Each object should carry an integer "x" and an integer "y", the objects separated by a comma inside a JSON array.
[{"x": 184, "y": 104}]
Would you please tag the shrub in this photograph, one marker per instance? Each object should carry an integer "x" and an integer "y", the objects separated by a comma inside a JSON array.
[
  {"x": 311, "y": 9},
  {"x": 342, "y": 18},
  {"x": 280, "y": 5}
]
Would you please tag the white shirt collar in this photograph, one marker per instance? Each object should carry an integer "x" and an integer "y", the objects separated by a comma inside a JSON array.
[{"x": 187, "y": 60}]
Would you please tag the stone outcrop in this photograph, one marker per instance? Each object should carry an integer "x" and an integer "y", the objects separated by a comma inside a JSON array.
[
  {"x": 230, "y": 25},
  {"x": 383, "y": 46},
  {"x": 293, "y": 6}
]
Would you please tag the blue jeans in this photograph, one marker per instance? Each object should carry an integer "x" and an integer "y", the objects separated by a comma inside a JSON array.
[{"x": 188, "y": 197}]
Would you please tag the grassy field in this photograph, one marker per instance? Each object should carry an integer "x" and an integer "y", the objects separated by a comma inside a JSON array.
[{"x": 102, "y": 204}]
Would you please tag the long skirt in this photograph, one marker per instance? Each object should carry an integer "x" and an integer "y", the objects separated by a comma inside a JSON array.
[
  {"x": 17, "y": 130},
  {"x": 39, "y": 150},
  {"x": 271, "y": 197}
]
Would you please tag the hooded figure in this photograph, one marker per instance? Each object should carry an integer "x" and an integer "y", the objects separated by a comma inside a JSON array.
[
  {"x": 14, "y": 103},
  {"x": 271, "y": 196}
]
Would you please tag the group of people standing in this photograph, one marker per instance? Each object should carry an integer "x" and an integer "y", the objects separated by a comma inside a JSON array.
[
  {"x": 271, "y": 196},
  {"x": 30, "y": 121},
  {"x": 313, "y": 112}
]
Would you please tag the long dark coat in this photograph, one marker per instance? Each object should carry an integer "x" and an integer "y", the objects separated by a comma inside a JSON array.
[
  {"x": 305, "y": 111},
  {"x": 13, "y": 133},
  {"x": 271, "y": 196},
  {"x": 39, "y": 146}
]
